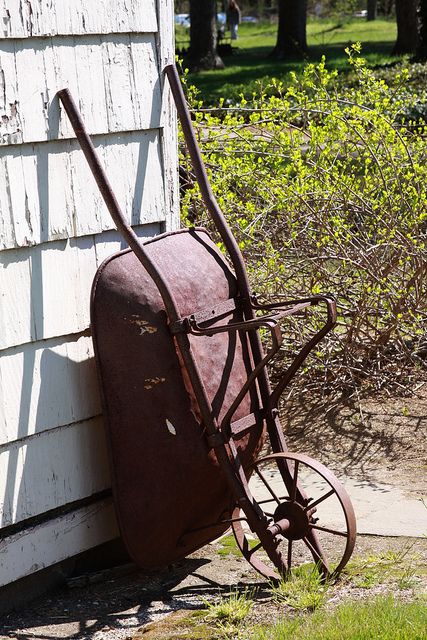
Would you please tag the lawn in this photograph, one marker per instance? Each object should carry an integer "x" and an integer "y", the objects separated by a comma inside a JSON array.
[{"x": 250, "y": 63}]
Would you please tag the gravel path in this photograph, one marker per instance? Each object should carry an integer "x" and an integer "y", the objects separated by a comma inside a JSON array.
[
  {"x": 115, "y": 604},
  {"x": 389, "y": 447}
]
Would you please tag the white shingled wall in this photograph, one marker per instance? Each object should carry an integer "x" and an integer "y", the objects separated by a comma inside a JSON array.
[{"x": 54, "y": 233}]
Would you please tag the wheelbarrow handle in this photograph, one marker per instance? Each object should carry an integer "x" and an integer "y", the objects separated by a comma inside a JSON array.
[
  {"x": 228, "y": 239},
  {"x": 111, "y": 202},
  {"x": 210, "y": 422},
  {"x": 203, "y": 181}
]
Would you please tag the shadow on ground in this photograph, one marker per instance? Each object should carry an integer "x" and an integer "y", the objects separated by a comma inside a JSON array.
[{"x": 378, "y": 440}]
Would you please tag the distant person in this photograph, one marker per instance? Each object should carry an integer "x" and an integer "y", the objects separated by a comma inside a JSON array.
[{"x": 233, "y": 18}]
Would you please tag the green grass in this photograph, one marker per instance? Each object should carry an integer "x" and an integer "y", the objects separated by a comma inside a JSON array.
[
  {"x": 303, "y": 590},
  {"x": 307, "y": 609},
  {"x": 228, "y": 546},
  {"x": 401, "y": 568},
  {"x": 381, "y": 618},
  {"x": 250, "y": 63},
  {"x": 225, "y": 617},
  {"x": 230, "y": 610}
]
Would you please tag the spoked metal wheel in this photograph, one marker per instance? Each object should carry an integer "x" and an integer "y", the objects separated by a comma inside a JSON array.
[{"x": 309, "y": 517}]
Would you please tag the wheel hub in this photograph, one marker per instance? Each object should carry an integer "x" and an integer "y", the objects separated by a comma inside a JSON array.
[{"x": 298, "y": 520}]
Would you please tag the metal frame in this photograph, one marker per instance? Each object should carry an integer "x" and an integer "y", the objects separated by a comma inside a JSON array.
[{"x": 220, "y": 436}]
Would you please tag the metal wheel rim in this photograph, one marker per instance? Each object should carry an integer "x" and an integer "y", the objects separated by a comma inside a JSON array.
[{"x": 276, "y": 558}]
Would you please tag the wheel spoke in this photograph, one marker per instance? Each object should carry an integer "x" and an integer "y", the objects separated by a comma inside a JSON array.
[
  {"x": 261, "y": 476},
  {"x": 326, "y": 530},
  {"x": 293, "y": 493},
  {"x": 319, "y": 500},
  {"x": 267, "y": 500},
  {"x": 289, "y": 562},
  {"x": 254, "y": 549},
  {"x": 316, "y": 552}
]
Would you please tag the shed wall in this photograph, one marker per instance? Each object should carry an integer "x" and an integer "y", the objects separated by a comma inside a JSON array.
[{"x": 54, "y": 233}]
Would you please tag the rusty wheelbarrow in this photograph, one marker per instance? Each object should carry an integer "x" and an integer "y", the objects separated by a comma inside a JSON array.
[{"x": 188, "y": 403}]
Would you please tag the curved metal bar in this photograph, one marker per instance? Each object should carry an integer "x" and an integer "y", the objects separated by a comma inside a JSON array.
[
  {"x": 273, "y": 426},
  {"x": 276, "y": 336},
  {"x": 297, "y": 362},
  {"x": 203, "y": 182},
  {"x": 113, "y": 206}
]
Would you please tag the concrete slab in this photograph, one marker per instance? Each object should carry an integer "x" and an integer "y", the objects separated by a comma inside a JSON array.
[{"x": 380, "y": 509}]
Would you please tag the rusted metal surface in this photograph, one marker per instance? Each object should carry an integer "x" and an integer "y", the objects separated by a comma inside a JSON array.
[
  {"x": 293, "y": 518},
  {"x": 167, "y": 479},
  {"x": 186, "y": 393}
]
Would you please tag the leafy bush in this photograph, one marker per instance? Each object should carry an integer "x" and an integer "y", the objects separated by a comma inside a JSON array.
[{"x": 326, "y": 191}]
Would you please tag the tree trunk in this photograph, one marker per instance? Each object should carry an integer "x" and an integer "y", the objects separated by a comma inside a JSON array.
[
  {"x": 291, "y": 31},
  {"x": 421, "y": 53},
  {"x": 371, "y": 7},
  {"x": 202, "y": 53},
  {"x": 407, "y": 31}
]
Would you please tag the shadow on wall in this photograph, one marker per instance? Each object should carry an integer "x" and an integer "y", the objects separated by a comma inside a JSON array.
[
  {"x": 54, "y": 449},
  {"x": 59, "y": 454}
]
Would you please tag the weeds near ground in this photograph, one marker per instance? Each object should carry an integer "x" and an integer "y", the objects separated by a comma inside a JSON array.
[
  {"x": 303, "y": 590},
  {"x": 228, "y": 613},
  {"x": 392, "y": 567},
  {"x": 382, "y": 618},
  {"x": 312, "y": 609}
]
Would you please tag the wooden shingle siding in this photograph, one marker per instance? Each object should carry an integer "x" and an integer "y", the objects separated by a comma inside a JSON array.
[
  {"x": 55, "y": 231},
  {"x": 40, "y": 18},
  {"x": 114, "y": 80},
  {"x": 47, "y": 192},
  {"x": 36, "y": 476},
  {"x": 47, "y": 287},
  {"x": 63, "y": 387},
  {"x": 62, "y": 537}
]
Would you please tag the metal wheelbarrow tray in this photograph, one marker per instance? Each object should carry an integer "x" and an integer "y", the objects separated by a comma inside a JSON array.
[{"x": 187, "y": 399}]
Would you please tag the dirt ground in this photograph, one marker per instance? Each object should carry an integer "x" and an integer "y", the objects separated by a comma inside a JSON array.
[
  {"x": 385, "y": 441},
  {"x": 382, "y": 440},
  {"x": 118, "y": 604}
]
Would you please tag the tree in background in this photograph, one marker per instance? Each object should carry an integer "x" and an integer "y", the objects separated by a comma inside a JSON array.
[
  {"x": 421, "y": 51},
  {"x": 407, "y": 26},
  {"x": 292, "y": 29},
  {"x": 386, "y": 7},
  {"x": 202, "y": 53},
  {"x": 371, "y": 7}
]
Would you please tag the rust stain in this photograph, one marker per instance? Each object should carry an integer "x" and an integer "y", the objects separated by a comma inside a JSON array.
[
  {"x": 144, "y": 326},
  {"x": 152, "y": 382}
]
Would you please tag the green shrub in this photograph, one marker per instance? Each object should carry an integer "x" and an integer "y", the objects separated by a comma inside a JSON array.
[{"x": 326, "y": 191}]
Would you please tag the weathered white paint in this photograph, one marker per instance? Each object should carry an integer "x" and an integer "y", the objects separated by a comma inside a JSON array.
[
  {"x": 51, "y": 469},
  {"x": 110, "y": 242},
  {"x": 54, "y": 233},
  {"x": 47, "y": 191},
  {"x": 45, "y": 290},
  {"x": 58, "y": 539},
  {"x": 46, "y": 385},
  {"x": 114, "y": 80},
  {"x": 32, "y": 18},
  {"x": 169, "y": 125}
]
